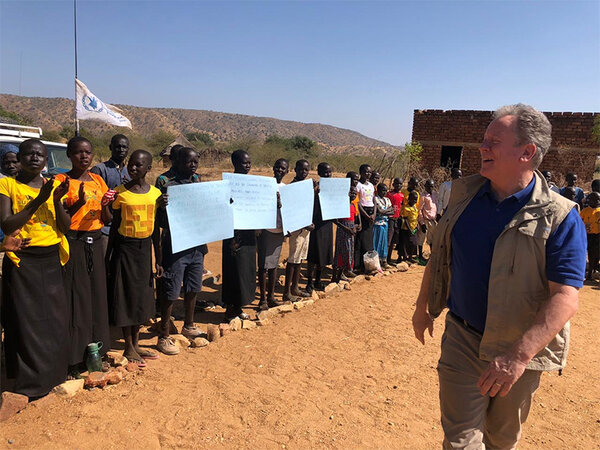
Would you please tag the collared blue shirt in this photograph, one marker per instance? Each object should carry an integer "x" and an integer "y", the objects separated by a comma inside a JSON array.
[
  {"x": 113, "y": 176},
  {"x": 473, "y": 239},
  {"x": 578, "y": 194}
]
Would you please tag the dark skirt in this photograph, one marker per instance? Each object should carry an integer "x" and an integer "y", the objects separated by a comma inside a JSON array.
[
  {"x": 363, "y": 242},
  {"x": 85, "y": 285},
  {"x": 35, "y": 315},
  {"x": 130, "y": 282},
  {"x": 320, "y": 246},
  {"x": 239, "y": 269},
  {"x": 344, "y": 246}
]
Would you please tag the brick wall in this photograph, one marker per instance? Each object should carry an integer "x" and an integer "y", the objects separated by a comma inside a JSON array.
[{"x": 573, "y": 149}]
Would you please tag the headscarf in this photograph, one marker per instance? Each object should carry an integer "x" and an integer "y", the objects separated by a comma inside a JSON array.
[{"x": 8, "y": 148}]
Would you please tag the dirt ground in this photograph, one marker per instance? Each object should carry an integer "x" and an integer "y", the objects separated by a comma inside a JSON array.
[{"x": 345, "y": 372}]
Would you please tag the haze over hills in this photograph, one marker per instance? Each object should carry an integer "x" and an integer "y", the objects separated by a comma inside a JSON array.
[{"x": 54, "y": 113}]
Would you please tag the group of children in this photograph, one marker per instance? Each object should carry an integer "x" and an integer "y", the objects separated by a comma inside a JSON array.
[
  {"x": 589, "y": 207},
  {"x": 590, "y": 214},
  {"x": 379, "y": 221},
  {"x": 85, "y": 249}
]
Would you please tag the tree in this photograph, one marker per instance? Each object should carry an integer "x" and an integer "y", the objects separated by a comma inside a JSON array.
[
  {"x": 400, "y": 163},
  {"x": 203, "y": 139},
  {"x": 596, "y": 129},
  {"x": 276, "y": 140},
  {"x": 302, "y": 146},
  {"x": 302, "y": 143},
  {"x": 159, "y": 141},
  {"x": 13, "y": 117}
]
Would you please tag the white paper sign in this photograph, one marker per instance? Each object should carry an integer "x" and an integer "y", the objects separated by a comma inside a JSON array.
[
  {"x": 199, "y": 213},
  {"x": 297, "y": 202},
  {"x": 334, "y": 199},
  {"x": 254, "y": 201}
]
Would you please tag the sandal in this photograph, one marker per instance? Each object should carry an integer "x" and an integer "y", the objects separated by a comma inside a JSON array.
[
  {"x": 139, "y": 361},
  {"x": 147, "y": 354}
]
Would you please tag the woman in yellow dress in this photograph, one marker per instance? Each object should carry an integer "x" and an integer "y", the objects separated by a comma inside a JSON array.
[{"x": 34, "y": 304}]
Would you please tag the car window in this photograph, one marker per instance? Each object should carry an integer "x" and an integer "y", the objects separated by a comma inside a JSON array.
[{"x": 58, "y": 162}]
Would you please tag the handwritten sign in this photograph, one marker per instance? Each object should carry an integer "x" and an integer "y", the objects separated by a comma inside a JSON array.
[
  {"x": 254, "y": 201},
  {"x": 297, "y": 202},
  {"x": 199, "y": 213},
  {"x": 333, "y": 196}
]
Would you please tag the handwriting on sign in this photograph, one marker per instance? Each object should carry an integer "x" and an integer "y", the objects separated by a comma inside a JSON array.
[
  {"x": 254, "y": 201},
  {"x": 207, "y": 205}
]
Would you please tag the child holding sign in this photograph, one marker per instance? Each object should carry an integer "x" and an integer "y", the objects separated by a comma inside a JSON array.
[
  {"x": 184, "y": 267},
  {"x": 320, "y": 248},
  {"x": 299, "y": 241},
  {"x": 132, "y": 235},
  {"x": 239, "y": 258},
  {"x": 269, "y": 246}
]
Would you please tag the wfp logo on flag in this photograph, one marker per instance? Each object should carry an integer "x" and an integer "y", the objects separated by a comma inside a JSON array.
[
  {"x": 92, "y": 103},
  {"x": 90, "y": 107}
]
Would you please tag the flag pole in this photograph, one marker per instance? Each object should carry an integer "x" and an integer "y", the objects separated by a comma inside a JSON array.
[{"x": 75, "y": 29}]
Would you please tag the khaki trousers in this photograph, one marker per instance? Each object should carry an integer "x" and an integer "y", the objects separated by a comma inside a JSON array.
[{"x": 470, "y": 420}]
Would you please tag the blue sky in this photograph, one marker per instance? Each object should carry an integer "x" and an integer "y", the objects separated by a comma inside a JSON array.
[{"x": 359, "y": 65}]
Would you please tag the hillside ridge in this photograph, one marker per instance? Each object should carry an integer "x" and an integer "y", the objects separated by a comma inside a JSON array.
[{"x": 57, "y": 112}]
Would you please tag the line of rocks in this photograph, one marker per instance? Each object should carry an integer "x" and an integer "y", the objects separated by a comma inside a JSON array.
[{"x": 121, "y": 368}]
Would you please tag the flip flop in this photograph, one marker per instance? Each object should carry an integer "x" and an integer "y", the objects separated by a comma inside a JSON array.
[
  {"x": 147, "y": 354},
  {"x": 140, "y": 362}
]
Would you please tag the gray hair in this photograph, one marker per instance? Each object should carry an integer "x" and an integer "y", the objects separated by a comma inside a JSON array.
[{"x": 533, "y": 127}]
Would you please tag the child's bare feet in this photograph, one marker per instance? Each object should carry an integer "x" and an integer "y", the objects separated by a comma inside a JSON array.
[
  {"x": 134, "y": 357},
  {"x": 290, "y": 298},
  {"x": 300, "y": 293},
  {"x": 273, "y": 303}
]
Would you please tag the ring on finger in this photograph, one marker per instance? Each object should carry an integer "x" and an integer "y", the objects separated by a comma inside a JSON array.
[{"x": 497, "y": 384}]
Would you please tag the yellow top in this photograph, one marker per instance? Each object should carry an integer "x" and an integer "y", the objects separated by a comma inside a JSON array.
[
  {"x": 411, "y": 213},
  {"x": 591, "y": 220},
  {"x": 137, "y": 212},
  {"x": 406, "y": 193},
  {"x": 41, "y": 227}
]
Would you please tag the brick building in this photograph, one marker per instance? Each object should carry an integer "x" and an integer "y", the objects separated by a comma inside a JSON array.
[{"x": 452, "y": 138}]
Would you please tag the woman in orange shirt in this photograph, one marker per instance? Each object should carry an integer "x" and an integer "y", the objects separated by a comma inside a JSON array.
[{"x": 85, "y": 273}]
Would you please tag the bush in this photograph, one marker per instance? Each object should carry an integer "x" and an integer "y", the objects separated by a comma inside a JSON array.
[
  {"x": 200, "y": 139},
  {"x": 158, "y": 141},
  {"x": 13, "y": 117}
]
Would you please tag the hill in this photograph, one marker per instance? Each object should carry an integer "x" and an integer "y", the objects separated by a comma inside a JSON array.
[{"x": 55, "y": 113}]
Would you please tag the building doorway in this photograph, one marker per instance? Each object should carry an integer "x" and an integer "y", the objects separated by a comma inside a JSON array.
[{"x": 451, "y": 155}]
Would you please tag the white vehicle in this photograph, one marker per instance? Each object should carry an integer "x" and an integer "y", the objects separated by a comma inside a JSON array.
[{"x": 57, "y": 152}]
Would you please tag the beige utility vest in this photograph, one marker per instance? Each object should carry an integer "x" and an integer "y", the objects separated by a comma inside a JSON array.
[{"x": 518, "y": 286}]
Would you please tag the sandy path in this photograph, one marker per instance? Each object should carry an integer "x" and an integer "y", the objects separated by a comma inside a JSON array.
[{"x": 343, "y": 373}]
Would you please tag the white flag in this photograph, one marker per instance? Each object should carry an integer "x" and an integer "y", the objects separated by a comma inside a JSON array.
[{"x": 90, "y": 107}]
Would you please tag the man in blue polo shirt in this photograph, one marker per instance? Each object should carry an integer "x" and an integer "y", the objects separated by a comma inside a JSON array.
[
  {"x": 113, "y": 172},
  {"x": 508, "y": 258}
]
